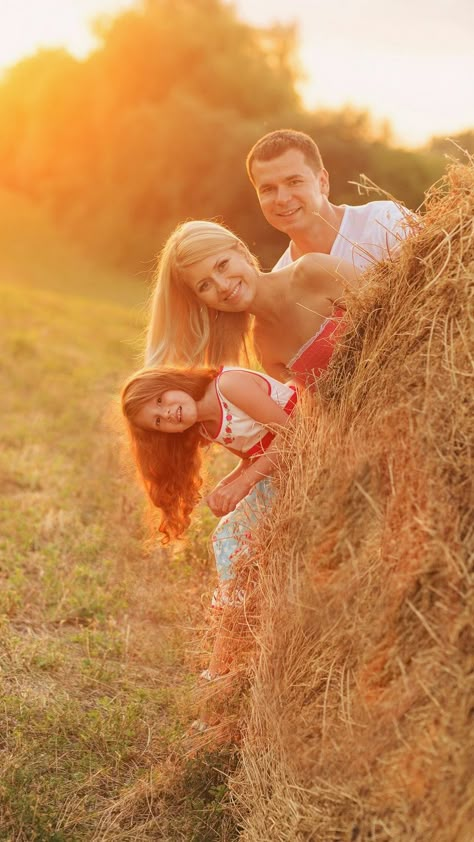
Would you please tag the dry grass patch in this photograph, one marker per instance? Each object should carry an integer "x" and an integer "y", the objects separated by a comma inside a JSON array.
[
  {"x": 99, "y": 629},
  {"x": 359, "y": 721}
]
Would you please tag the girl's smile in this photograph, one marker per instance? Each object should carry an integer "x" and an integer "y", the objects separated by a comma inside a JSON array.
[{"x": 172, "y": 412}]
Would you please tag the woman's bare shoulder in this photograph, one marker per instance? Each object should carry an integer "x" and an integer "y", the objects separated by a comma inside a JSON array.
[
  {"x": 315, "y": 262},
  {"x": 316, "y": 267}
]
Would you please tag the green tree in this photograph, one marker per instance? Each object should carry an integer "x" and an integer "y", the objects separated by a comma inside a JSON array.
[
  {"x": 454, "y": 146},
  {"x": 155, "y": 125}
]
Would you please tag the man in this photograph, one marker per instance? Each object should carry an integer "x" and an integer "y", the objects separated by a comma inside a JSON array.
[
  {"x": 287, "y": 171},
  {"x": 292, "y": 185}
]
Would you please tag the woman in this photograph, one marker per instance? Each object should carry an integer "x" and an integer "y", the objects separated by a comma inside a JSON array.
[{"x": 208, "y": 285}]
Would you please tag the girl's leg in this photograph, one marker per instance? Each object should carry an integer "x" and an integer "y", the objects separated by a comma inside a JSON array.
[
  {"x": 233, "y": 533},
  {"x": 232, "y": 539}
]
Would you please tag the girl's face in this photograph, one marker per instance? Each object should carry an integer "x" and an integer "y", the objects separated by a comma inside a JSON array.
[
  {"x": 224, "y": 281},
  {"x": 172, "y": 412}
]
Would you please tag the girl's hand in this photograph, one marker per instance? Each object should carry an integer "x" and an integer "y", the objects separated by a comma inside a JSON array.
[{"x": 224, "y": 498}]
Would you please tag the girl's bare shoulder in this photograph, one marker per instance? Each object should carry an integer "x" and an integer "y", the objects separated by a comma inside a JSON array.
[{"x": 232, "y": 380}]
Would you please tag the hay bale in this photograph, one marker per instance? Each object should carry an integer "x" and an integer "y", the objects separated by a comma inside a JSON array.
[{"x": 359, "y": 720}]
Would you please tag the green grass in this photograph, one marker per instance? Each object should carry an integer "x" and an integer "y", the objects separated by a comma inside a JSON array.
[
  {"x": 33, "y": 254},
  {"x": 100, "y": 632}
]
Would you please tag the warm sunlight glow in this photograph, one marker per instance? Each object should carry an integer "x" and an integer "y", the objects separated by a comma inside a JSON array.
[
  {"x": 419, "y": 95},
  {"x": 410, "y": 63},
  {"x": 407, "y": 63},
  {"x": 29, "y": 25}
]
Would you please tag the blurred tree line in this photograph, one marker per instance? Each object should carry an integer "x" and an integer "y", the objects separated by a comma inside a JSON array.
[{"x": 154, "y": 127}]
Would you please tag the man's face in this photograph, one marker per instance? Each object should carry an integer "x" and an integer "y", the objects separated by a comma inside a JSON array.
[{"x": 290, "y": 193}]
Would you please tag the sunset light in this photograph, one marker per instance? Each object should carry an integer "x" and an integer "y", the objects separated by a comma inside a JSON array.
[
  {"x": 236, "y": 346},
  {"x": 392, "y": 61},
  {"x": 406, "y": 62},
  {"x": 29, "y": 25}
]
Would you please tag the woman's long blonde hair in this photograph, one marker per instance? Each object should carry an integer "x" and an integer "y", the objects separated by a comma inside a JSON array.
[
  {"x": 182, "y": 330},
  {"x": 168, "y": 464}
]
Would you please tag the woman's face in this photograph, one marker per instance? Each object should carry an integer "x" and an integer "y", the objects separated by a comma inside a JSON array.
[
  {"x": 172, "y": 412},
  {"x": 224, "y": 281}
]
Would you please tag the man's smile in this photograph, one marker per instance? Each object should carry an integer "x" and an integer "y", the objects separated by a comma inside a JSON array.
[{"x": 288, "y": 212}]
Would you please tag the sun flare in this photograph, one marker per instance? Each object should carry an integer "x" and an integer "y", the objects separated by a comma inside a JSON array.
[
  {"x": 30, "y": 25},
  {"x": 412, "y": 65}
]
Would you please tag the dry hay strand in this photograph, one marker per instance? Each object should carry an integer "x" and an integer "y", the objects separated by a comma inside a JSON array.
[
  {"x": 359, "y": 715},
  {"x": 220, "y": 704},
  {"x": 176, "y": 800}
]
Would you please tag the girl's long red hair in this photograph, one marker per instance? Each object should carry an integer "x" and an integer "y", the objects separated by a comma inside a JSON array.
[{"x": 168, "y": 464}]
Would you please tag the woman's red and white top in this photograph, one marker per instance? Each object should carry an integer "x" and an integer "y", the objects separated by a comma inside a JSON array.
[{"x": 315, "y": 355}]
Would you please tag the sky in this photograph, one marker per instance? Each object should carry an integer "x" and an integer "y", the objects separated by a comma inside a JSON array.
[
  {"x": 409, "y": 61},
  {"x": 26, "y": 25}
]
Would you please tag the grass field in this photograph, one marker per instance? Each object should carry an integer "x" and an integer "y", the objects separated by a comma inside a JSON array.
[
  {"x": 100, "y": 632},
  {"x": 351, "y": 684}
]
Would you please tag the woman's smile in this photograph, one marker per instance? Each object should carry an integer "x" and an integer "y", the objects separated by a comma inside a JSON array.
[{"x": 235, "y": 292}]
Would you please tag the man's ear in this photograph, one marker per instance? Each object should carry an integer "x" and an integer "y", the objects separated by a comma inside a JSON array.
[{"x": 324, "y": 182}]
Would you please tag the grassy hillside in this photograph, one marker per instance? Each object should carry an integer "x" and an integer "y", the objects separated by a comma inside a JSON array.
[
  {"x": 32, "y": 253},
  {"x": 99, "y": 632}
]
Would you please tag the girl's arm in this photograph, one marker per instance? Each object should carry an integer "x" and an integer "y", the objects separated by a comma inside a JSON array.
[
  {"x": 235, "y": 473},
  {"x": 224, "y": 497},
  {"x": 249, "y": 393}
]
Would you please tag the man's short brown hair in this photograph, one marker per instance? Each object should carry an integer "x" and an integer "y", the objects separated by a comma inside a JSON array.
[{"x": 276, "y": 143}]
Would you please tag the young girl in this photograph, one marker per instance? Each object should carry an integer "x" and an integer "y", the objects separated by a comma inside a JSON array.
[{"x": 171, "y": 413}]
